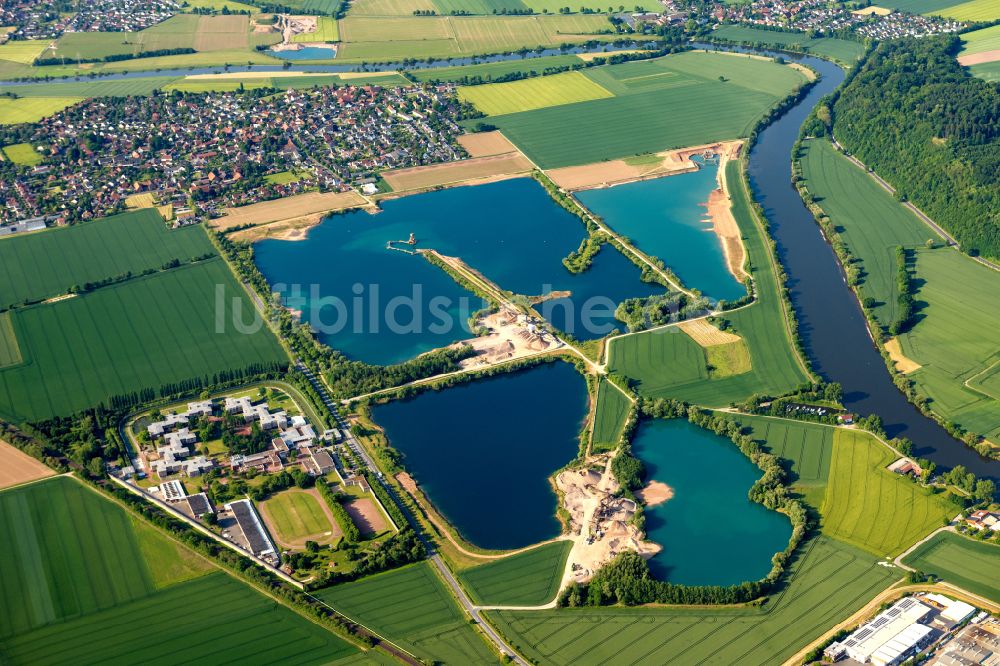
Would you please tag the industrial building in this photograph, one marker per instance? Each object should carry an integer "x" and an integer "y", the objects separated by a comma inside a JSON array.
[
  {"x": 889, "y": 638},
  {"x": 254, "y": 534}
]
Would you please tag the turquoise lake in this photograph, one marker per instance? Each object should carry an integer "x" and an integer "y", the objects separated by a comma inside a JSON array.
[
  {"x": 711, "y": 533},
  {"x": 483, "y": 451},
  {"x": 666, "y": 218},
  {"x": 307, "y": 53},
  {"x": 510, "y": 231}
]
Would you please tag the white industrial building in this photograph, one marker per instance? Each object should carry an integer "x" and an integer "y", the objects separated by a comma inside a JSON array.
[{"x": 889, "y": 638}]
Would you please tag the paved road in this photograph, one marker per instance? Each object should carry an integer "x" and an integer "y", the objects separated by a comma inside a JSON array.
[{"x": 362, "y": 455}]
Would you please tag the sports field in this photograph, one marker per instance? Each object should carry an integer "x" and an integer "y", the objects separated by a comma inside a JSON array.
[
  {"x": 81, "y": 578},
  {"x": 411, "y": 607},
  {"x": 526, "y": 579},
  {"x": 47, "y": 264},
  {"x": 687, "y": 84},
  {"x": 536, "y": 93},
  {"x": 830, "y": 581},
  {"x": 873, "y": 223},
  {"x": 872, "y": 508},
  {"x": 842, "y": 50},
  {"x": 972, "y": 565},
  {"x": 609, "y": 417},
  {"x": 32, "y": 109},
  {"x": 668, "y": 363},
  {"x": 295, "y": 516},
  {"x": 22, "y": 153},
  {"x": 144, "y": 333}
]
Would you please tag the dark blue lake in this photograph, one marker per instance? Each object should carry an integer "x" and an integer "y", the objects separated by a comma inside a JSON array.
[
  {"x": 483, "y": 451},
  {"x": 711, "y": 533}
]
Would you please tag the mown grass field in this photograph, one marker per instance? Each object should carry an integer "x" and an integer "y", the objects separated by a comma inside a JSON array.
[
  {"x": 874, "y": 224},
  {"x": 609, "y": 417},
  {"x": 140, "y": 334},
  {"x": 47, "y": 264},
  {"x": 972, "y": 565},
  {"x": 411, "y": 607},
  {"x": 80, "y": 574},
  {"x": 667, "y": 363},
  {"x": 830, "y": 581},
  {"x": 22, "y": 153},
  {"x": 842, "y": 50},
  {"x": 32, "y": 109},
  {"x": 872, "y": 508},
  {"x": 527, "y": 579},
  {"x": 296, "y": 516},
  {"x": 327, "y": 30},
  {"x": 495, "y": 99},
  {"x": 490, "y": 70},
  {"x": 686, "y": 83}
]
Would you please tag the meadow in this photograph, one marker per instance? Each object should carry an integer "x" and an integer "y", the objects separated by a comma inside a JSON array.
[
  {"x": 830, "y": 581},
  {"x": 389, "y": 7},
  {"x": 531, "y": 578},
  {"x": 32, "y": 109},
  {"x": 842, "y": 50},
  {"x": 86, "y": 89},
  {"x": 609, "y": 417},
  {"x": 685, "y": 83},
  {"x": 140, "y": 334},
  {"x": 972, "y": 565},
  {"x": 22, "y": 153},
  {"x": 327, "y": 30},
  {"x": 873, "y": 223},
  {"x": 667, "y": 363},
  {"x": 495, "y": 99},
  {"x": 43, "y": 265},
  {"x": 412, "y": 608},
  {"x": 489, "y": 70},
  {"x": 872, "y": 508}
]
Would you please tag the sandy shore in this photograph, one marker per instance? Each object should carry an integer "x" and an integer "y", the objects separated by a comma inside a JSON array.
[
  {"x": 903, "y": 364},
  {"x": 655, "y": 492},
  {"x": 720, "y": 212}
]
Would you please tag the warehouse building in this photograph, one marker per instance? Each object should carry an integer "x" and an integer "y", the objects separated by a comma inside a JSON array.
[{"x": 889, "y": 638}]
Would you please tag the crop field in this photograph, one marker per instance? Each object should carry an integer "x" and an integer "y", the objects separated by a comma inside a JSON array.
[
  {"x": 727, "y": 360},
  {"x": 536, "y": 93},
  {"x": 23, "y": 153},
  {"x": 527, "y": 579},
  {"x": 489, "y": 70},
  {"x": 46, "y": 264},
  {"x": 389, "y": 7},
  {"x": 219, "y": 85},
  {"x": 10, "y": 351},
  {"x": 873, "y": 222},
  {"x": 972, "y": 565},
  {"x": 609, "y": 417},
  {"x": 688, "y": 84},
  {"x": 23, "y": 51},
  {"x": 219, "y": 5},
  {"x": 296, "y": 515},
  {"x": 830, "y": 581},
  {"x": 668, "y": 363},
  {"x": 446, "y": 173},
  {"x": 971, "y": 10},
  {"x": 85, "y": 89},
  {"x": 842, "y": 50},
  {"x": 326, "y": 31},
  {"x": 219, "y": 33},
  {"x": 17, "y": 467},
  {"x": 978, "y": 41},
  {"x": 872, "y": 508},
  {"x": 411, "y": 607},
  {"x": 143, "y": 333},
  {"x": 32, "y": 109},
  {"x": 989, "y": 71},
  {"x": 957, "y": 303}
]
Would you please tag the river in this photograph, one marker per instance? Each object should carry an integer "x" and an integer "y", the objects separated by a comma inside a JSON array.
[{"x": 831, "y": 322}]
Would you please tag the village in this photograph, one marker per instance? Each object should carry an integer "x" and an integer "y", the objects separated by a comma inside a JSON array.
[
  {"x": 251, "y": 467},
  {"x": 194, "y": 155},
  {"x": 49, "y": 20}
]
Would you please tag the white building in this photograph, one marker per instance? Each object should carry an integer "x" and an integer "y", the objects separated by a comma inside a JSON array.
[{"x": 883, "y": 629}]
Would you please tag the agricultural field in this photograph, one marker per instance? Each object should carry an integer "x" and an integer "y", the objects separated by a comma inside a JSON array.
[
  {"x": 140, "y": 334},
  {"x": 295, "y": 516},
  {"x": 412, "y": 608},
  {"x": 79, "y": 573},
  {"x": 437, "y": 175},
  {"x": 873, "y": 223},
  {"x": 981, "y": 53},
  {"x": 490, "y": 70},
  {"x": 970, "y": 10},
  {"x": 972, "y": 565},
  {"x": 535, "y": 93},
  {"x": 527, "y": 579},
  {"x": 668, "y": 363},
  {"x": 980, "y": 41},
  {"x": 686, "y": 83},
  {"x": 46, "y": 264},
  {"x": 23, "y": 51},
  {"x": 872, "y": 508},
  {"x": 22, "y": 153},
  {"x": 389, "y": 7},
  {"x": 219, "y": 5},
  {"x": 17, "y": 467},
  {"x": 609, "y": 417},
  {"x": 989, "y": 71},
  {"x": 844, "y": 51},
  {"x": 10, "y": 351},
  {"x": 326, "y": 31},
  {"x": 829, "y": 582},
  {"x": 85, "y": 89},
  {"x": 32, "y": 109}
]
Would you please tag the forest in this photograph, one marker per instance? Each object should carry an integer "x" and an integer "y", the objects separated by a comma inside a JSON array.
[{"x": 916, "y": 117}]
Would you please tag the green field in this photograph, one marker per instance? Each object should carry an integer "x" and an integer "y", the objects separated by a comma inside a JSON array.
[
  {"x": 23, "y": 153},
  {"x": 873, "y": 222},
  {"x": 872, "y": 508},
  {"x": 972, "y": 10},
  {"x": 989, "y": 71},
  {"x": 10, "y": 351},
  {"x": 389, "y": 7},
  {"x": 32, "y": 109},
  {"x": 609, "y": 417},
  {"x": 484, "y": 7},
  {"x": 296, "y": 516},
  {"x": 979, "y": 41},
  {"x": 143, "y": 333},
  {"x": 495, "y": 99},
  {"x": 633, "y": 122},
  {"x": 43, "y": 265},
  {"x": 85, "y": 89},
  {"x": 23, "y": 51},
  {"x": 528, "y": 579},
  {"x": 412, "y": 608},
  {"x": 972, "y": 565},
  {"x": 842, "y": 50},
  {"x": 326, "y": 31},
  {"x": 667, "y": 363},
  {"x": 489, "y": 70},
  {"x": 829, "y": 582},
  {"x": 219, "y": 5}
]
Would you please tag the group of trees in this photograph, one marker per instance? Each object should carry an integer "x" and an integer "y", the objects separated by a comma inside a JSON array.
[
  {"x": 335, "y": 500},
  {"x": 915, "y": 116},
  {"x": 904, "y": 295},
  {"x": 658, "y": 309}
]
